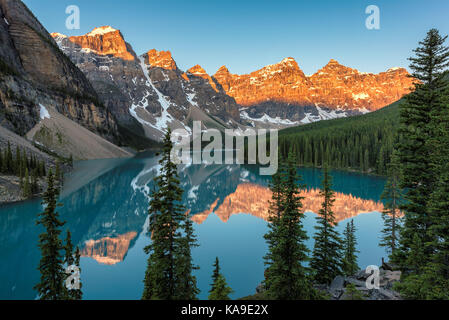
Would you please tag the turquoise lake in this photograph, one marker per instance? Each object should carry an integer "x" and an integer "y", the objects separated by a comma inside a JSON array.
[{"x": 105, "y": 206}]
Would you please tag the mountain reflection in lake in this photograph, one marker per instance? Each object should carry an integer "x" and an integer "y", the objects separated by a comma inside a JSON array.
[{"x": 105, "y": 207}]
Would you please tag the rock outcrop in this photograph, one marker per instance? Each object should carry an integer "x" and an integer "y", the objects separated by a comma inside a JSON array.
[
  {"x": 338, "y": 289},
  {"x": 282, "y": 95},
  {"x": 147, "y": 93},
  {"x": 334, "y": 86},
  {"x": 35, "y": 71}
]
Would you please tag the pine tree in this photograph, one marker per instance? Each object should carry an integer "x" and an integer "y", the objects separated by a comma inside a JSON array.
[
  {"x": 4, "y": 162},
  {"x": 275, "y": 210},
  {"x": 51, "y": 285},
  {"x": 219, "y": 288},
  {"x": 350, "y": 266},
  {"x": 418, "y": 149},
  {"x": 17, "y": 162},
  {"x": 215, "y": 274},
  {"x": 77, "y": 294},
  {"x": 186, "y": 284},
  {"x": 392, "y": 197},
  {"x": 72, "y": 258},
  {"x": 69, "y": 260},
  {"x": 286, "y": 276},
  {"x": 326, "y": 258},
  {"x": 9, "y": 160},
  {"x": 169, "y": 258}
]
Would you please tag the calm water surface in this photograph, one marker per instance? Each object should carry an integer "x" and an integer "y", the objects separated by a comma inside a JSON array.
[{"x": 105, "y": 207}]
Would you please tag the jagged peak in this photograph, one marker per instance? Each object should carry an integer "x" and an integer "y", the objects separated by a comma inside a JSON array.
[
  {"x": 394, "y": 69},
  {"x": 100, "y": 31},
  {"x": 333, "y": 61},
  {"x": 223, "y": 69},
  {"x": 161, "y": 59},
  {"x": 197, "y": 70},
  {"x": 288, "y": 60},
  {"x": 58, "y": 35}
]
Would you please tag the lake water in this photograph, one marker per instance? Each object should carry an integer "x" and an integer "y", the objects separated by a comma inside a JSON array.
[{"x": 105, "y": 207}]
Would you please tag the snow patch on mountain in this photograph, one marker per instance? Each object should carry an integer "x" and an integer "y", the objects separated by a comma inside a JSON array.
[
  {"x": 101, "y": 31},
  {"x": 267, "y": 119},
  {"x": 163, "y": 121},
  {"x": 44, "y": 112}
]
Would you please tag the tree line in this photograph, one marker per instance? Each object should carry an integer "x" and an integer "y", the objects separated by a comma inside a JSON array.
[{"x": 363, "y": 143}]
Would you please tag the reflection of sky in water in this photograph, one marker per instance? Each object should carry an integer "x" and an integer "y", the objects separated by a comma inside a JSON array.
[{"x": 105, "y": 207}]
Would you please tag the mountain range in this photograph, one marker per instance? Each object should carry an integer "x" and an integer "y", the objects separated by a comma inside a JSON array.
[{"x": 54, "y": 87}]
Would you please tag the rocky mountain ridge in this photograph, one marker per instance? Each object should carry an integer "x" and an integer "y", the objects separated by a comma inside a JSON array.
[
  {"x": 147, "y": 93},
  {"x": 276, "y": 96},
  {"x": 34, "y": 72}
]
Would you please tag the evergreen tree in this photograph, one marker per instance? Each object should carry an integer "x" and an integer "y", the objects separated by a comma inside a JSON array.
[
  {"x": 169, "y": 260},
  {"x": 326, "y": 258},
  {"x": 286, "y": 276},
  {"x": 69, "y": 259},
  {"x": 72, "y": 258},
  {"x": 17, "y": 162},
  {"x": 275, "y": 210},
  {"x": 9, "y": 160},
  {"x": 215, "y": 274},
  {"x": 418, "y": 150},
  {"x": 392, "y": 197},
  {"x": 4, "y": 162},
  {"x": 219, "y": 288},
  {"x": 77, "y": 294},
  {"x": 51, "y": 285},
  {"x": 350, "y": 266},
  {"x": 187, "y": 286}
]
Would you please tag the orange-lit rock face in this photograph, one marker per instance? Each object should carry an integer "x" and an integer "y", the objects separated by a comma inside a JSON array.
[
  {"x": 198, "y": 71},
  {"x": 161, "y": 59},
  {"x": 108, "y": 250},
  {"x": 253, "y": 199},
  {"x": 105, "y": 41},
  {"x": 334, "y": 86}
]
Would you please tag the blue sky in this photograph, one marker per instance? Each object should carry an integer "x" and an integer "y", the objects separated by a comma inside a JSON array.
[{"x": 248, "y": 34}]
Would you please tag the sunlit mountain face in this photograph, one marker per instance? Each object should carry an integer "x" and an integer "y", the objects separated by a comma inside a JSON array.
[
  {"x": 105, "y": 206},
  {"x": 253, "y": 199},
  {"x": 108, "y": 250}
]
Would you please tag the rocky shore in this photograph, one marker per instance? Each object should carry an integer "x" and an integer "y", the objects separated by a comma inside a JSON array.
[{"x": 339, "y": 289}]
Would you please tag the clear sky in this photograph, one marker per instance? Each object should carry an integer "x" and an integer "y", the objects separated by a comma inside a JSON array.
[{"x": 246, "y": 35}]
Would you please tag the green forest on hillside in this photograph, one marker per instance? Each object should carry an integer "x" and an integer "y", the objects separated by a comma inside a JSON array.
[{"x": 363, "y": 143}]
